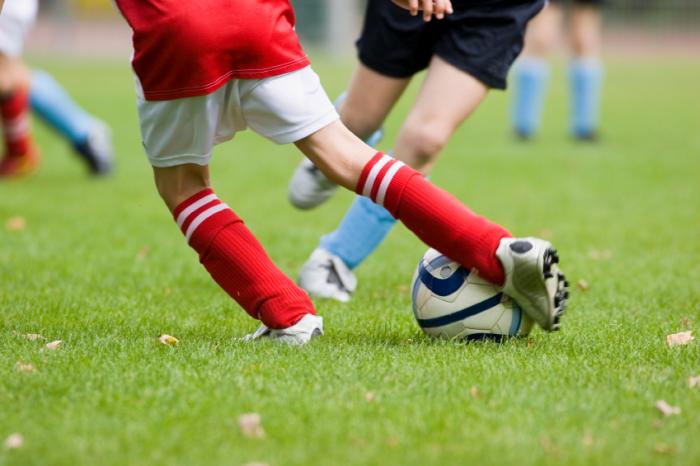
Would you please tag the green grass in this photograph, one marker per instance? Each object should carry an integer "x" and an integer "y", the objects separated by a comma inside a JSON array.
[{"x": 101, "y": 266}]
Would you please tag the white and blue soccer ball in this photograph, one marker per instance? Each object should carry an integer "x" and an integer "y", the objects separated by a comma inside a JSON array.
[{"x": 452, "y": 302}]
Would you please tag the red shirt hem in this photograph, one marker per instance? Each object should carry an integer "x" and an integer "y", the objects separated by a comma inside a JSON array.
[{"x": 205, "y": 89}]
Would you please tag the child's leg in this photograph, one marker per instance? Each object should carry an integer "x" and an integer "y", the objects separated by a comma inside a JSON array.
[
  {"x": 586, "y": 70},
  {"x": 178, "y": 136},
  {"x": 51, "y": 102},
  {"x": 526, "y": 268},
  {"x": 431, "y": 213},
  {"x": 436, "y": 114},
  {"x": 20, "y": 157},
  {"x": 531, "y": 73},
  {"x": 228, "y": 250},
  {"x": 531, "y": 76},
  {"x": 90, "y": 137},
  {"x": 363, "y": 108}
]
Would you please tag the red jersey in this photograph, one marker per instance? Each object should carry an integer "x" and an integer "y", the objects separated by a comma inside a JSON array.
[{"x": 186, "y": 48}]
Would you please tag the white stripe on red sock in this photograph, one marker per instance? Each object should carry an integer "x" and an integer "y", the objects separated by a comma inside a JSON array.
[
  {"x": 194, "y": 206},
  {"x": 379, "y": 178},
  {"x": 371, "y": 178},
  {"x": 386, "y": 180},
  {"x": 199, "y": 219}
]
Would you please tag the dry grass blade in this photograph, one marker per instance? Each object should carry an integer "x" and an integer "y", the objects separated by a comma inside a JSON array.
[
  {"x": 251, "y": 425},
  {"x": 14, "y": 441},
  {"x": 680, "y": 338},
  {"x": 16, "y": 224},
  {"x": 53, "y": 345},
  {"x": 27, "y": 367},
  {"x": 168, "y": 340},
  {"x": 666, "y": 409}
]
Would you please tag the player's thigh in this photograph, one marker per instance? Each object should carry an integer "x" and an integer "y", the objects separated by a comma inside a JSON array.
[
  {"x": 447, "y": 97},
  {"x": 392, "y": 47},
  {"x": 370, "y": 97}
]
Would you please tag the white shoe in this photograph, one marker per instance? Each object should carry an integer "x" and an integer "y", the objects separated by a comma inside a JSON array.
[
  {"x": 309, "y": 187},
  {"x": 533, "y": 279},
  {"x": 98, "y": 150},
  {"x": 310, "y": 326},
  {"x": 326, "y": 276}
]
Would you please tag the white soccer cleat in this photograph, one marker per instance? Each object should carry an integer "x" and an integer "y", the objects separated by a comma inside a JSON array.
[
  {"x": 310, "y": 326},
  {"x": 309, "y": 187},
  {"x": 326, "y": 276},
  {"x": 533, "y": 279}
]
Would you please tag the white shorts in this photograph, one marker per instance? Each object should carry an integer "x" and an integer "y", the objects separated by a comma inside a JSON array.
[
  {"x": 16, "y": 20},
  {"x": 282, "y": 108}
]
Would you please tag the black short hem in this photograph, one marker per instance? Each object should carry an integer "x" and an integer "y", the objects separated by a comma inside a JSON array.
[
  {"x": 489, "y": 80},
  {"x": 383, "y": 69}
]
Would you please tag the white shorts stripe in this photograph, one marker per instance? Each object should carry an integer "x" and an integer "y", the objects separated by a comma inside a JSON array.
[
  {"x": 367, "y": 189},
  {"x": 202, "y": 217},
  {"x": 194, "y": 206},
  {"x": 388, "y": 176}
]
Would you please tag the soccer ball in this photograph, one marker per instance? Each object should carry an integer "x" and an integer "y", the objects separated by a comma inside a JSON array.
[{"x": 454, "y": 303}]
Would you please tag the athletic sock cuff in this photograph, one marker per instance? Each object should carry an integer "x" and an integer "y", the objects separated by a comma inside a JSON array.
[
  {"x": 201, "y": 217},
  {"x": 383, "y": 180}
]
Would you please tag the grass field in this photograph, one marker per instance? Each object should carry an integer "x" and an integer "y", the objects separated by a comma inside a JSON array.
[{"x": 101, "y": 266}]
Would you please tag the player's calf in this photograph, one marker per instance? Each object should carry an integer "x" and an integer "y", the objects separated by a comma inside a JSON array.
[{"x": 230, "y": 253}]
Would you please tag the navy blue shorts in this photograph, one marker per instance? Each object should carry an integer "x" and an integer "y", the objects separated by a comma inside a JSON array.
[{"x": 481, "y": 38}]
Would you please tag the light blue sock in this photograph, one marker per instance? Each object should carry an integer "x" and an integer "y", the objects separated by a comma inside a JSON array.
[
  {"x": 586, "y": 79},
  {"x": 360, "y": 232},
  {"x": 52, "y": 103},
  {"x": 531, "y": 79}
]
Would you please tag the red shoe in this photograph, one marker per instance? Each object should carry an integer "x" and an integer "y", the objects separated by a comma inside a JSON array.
[{"x": 19, "y": 165}]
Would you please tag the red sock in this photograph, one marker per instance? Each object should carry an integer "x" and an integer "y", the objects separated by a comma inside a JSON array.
[
  {"x": 14, "y": 110},
  {"x": 238, "y": 263},
  {"x": 434, "y": 215}
]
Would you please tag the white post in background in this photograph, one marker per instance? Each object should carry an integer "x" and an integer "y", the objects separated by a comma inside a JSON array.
[{"x": 342, "y": 26}]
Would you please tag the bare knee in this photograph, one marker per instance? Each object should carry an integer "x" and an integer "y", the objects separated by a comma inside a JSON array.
[
  {"x": 360, "y": 123},
  {"x": 176, "y": 184},
  {"x": 420, "y": 143}
]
